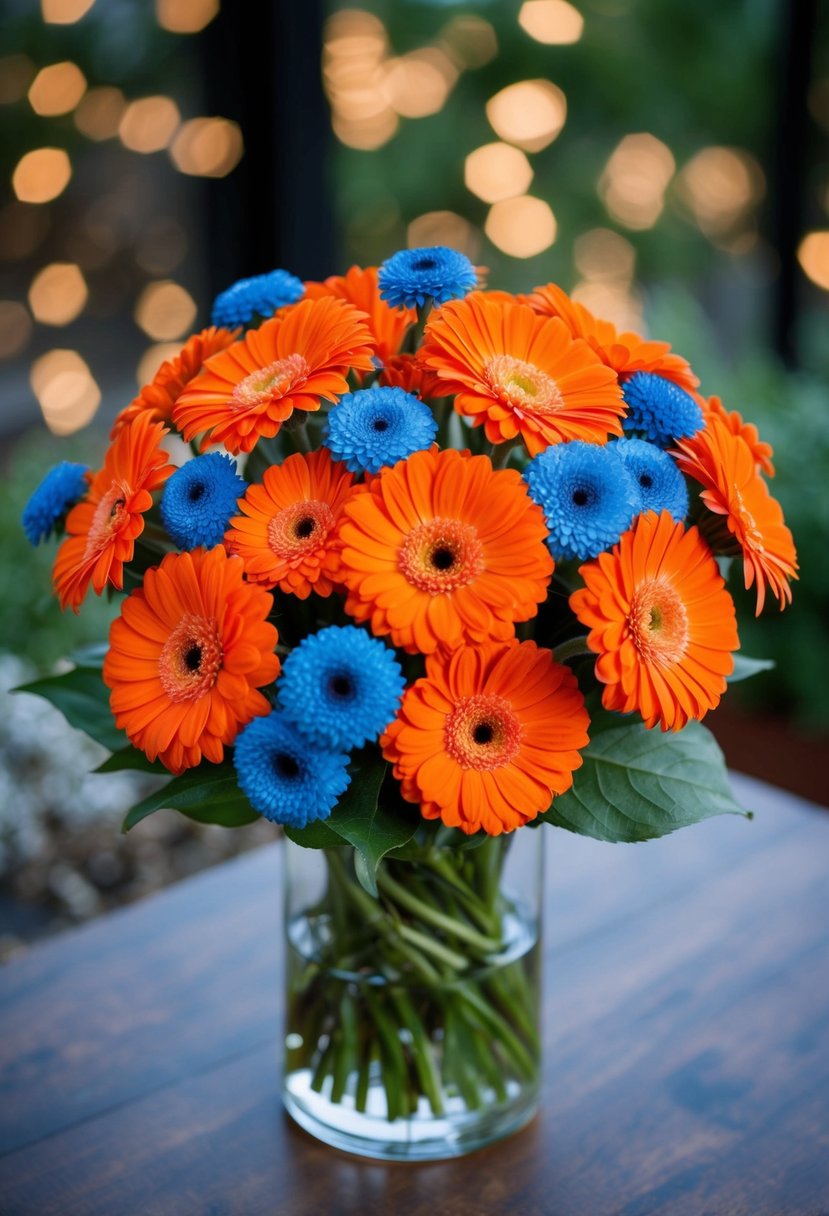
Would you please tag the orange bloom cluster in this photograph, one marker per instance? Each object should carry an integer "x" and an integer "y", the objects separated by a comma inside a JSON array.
[
  {"x": 287, "y": 530},
  {"x": 158, "y": 398},
  {"x": 725, "y": 466},
  {"x": 103, "y": 527},
  {"x": 487, "y": 738},
  {"x": 517, "y": 373},
  {"x": 187, "y": 655},
  {"x": 747, "y": 431},
  {"x": 294, "y": 360},
  {"x": 440, "y": 549},
  {"x": 386, "y": 325},
  {"x": 661, "y": 622}
]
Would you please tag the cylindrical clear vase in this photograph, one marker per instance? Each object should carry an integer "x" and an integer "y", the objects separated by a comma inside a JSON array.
[{"x": 412, "y": 1016}]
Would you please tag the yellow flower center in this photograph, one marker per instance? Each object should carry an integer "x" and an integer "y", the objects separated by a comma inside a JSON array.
[
  {"x": 658, "y": 622},
  {"x": 522, "y": 386},
  {"x": 440, "y": 555},
  {"x": 108, "y": 519},
  {"x": 482, "y": 732},
  {"x": 300, "y": 528},
  {"x": 191, "y": 658},
  {"x": 266, "y": 383}
]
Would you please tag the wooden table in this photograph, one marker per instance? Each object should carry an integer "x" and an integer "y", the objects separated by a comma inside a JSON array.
[{"x": 686, "y": 1033}]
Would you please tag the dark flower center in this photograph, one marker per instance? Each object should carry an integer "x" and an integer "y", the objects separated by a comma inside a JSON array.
[
  {"x": 341, "y": 686},
  {"x": 443, "y": 559},
  {"x": 285, "y": 766},
  {"x": 645, "y": 480},
  {"x": 424, "y": 264},
  {"x": 581, "y": 498},
  {"x": 483, "y": 733},
  {"x": 380, "y": 424},
  {"x": 192, "y": 658},
  {"x": 196, "y": 491},
  {"x": 304, "y": 527}
]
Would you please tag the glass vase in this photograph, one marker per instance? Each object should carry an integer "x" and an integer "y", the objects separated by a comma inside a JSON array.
[{"x": 412, "y": 1018}]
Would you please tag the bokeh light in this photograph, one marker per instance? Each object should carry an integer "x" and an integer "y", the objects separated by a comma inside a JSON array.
[
  {"x": 521, "y": 227},
  {"x": 65, "y": 389},
  {"x": 16, "y": 74},
  {"x": 633, "y": 183},
  {"x": 354, "y": 64},
  {"x": 443, "y": 228},
  {"x": 720, "y": 185},
  {"x": 15, "y": 328},
  {"x": 153, "y": 357},
  {"x": 58, "y": 294},
  {"x": 813, "y": 255},
  {"x": 185, "y": 16},
  {"x": 148, "y": 124},
  {"x": 553, "y": 22},
  {"x": 418, "y": 84},
  {"x": 207, "y": 147},
  {"x": 497, "y": 171},
  {"x": 41, "y": 175},
  {"x": 615, "y": 302},
  {"x": 165, "y": 311},
  {"x": 57, "y": 89},
  {"x": 22, "y": 228},
  {"x": 64, "y": 12},
  {"x": 470, "y": 41},
  {"x": 603, "y": 254},
  {"x": 530, "y": 113},
  {"x": 100, "y": 112}
]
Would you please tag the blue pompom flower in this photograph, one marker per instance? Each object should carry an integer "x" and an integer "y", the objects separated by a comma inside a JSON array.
[
  {"x": 376, "y": 427},
  {"x": 283, "y": 777},
  {"x": 259, "y": 296},
  {"x": 587, "y": 496},
  {"x": 199, "y": 500},
  {"x": 660, "y": 409},
  {"x": 341, "y": 687},
  {"x": 60, "y": 489},
  {"x": 659, "y": 483},
  {"x": 413, "y": 276}
]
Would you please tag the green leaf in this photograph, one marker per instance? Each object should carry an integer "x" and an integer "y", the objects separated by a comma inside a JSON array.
[
  {"x": 745, "y": 667},
  {"x": 315, "y": 835},
  {"x": 208, "y": 794},
  {"x": 83, "y": 699},
  {"x": 130, "y": 758},
  {"x": 366, "y": 824},
  {"x": 636, "y": 784},
  {"x": 92, "y": 655}
]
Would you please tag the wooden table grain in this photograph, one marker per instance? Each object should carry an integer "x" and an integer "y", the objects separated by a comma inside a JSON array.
[{"x": 686, "y": 1047}]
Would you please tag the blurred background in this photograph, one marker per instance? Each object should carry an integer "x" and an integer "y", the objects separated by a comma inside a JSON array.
[{"x": 665, "y": 162}]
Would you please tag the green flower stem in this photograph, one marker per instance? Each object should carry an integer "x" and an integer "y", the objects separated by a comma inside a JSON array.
[
  {"x": 415, "y": 334},
  {"x": 495, "y": 1024},
  {"x": 366, "y": 1059},
  {"x": 572, "y": 649},
  {"x": 501, "y": 453},
  {"x": 451, "y": 958},
  {"x": 431, "y": 915},
  {"x": 422, "y": 1050},
  {"x": 394, "y": 1075}
]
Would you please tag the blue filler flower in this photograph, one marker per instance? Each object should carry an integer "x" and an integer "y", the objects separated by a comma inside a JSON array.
[
  {"x": 199, "y": 500},
  {"x": 340, "y": 687},
  {"x": 660, "y": 409},
  {"x": 259, "y": 296},
  {"x": 283, "y": 777},
  {"x": 587, "y": 496},
  {"x": 413, "y": 276},
  {"x": 377, "y": 427},
  {"x": 659, "y": 483},
  {"x": 60, "y": 489}
]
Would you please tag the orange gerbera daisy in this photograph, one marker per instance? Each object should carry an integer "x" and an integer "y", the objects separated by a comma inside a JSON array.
[
  {"x": 724, "y": 465},
  {"x": 440, "y": 549},
  {"x": 661, "y": 622},
  {"x": 359, "y": 287},
  {"x": 286, "y": 534},
  {"x": 761, "y": 451},
  {"x": 186, "y": 656},
  {"x": 518, "y": 373},
  {"x": 102, "y": 528},
  {"x": 158, "y": 398},
  {"x": 289, "y": 363},
  {"x": 488, "y": 736},
  {"x": 408, "y": 373},
  {"x": 626, "y": 353}
]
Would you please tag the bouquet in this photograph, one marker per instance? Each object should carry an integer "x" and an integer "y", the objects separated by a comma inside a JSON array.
[{"x": 440, "y": 563}]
